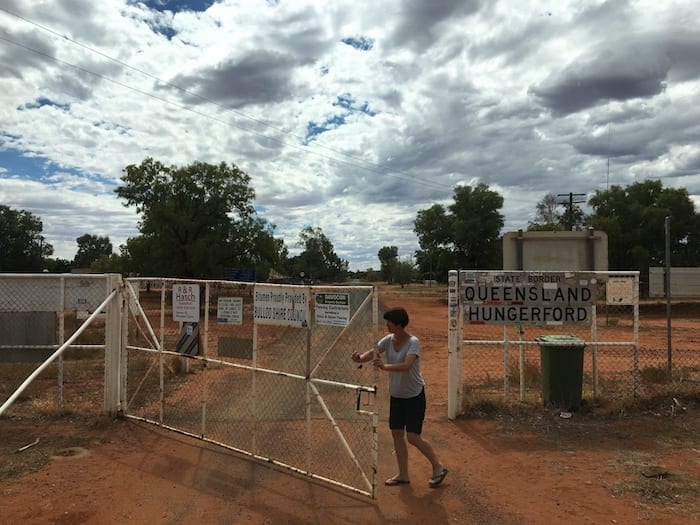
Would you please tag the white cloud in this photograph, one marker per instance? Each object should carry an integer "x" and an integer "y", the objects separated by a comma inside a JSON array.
[{"x": 528, "y": 97}]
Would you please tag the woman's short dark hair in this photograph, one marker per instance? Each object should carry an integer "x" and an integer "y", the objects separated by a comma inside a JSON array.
[{"x": 397, "y": 316}]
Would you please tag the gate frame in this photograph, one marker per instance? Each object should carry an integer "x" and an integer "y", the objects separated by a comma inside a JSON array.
[
  {"x": 131, "y": 298},
  {"x": 113, "y": 308}
]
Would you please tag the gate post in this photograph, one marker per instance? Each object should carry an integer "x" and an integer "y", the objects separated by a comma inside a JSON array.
[
  {"x": 113, "y": 344},
  {"x": 455, "y": 388}
]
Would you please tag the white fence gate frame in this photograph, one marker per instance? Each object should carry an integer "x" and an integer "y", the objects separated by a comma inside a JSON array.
[
  {"x": 86, "y": 294},
  {"x": 316, "y": 387},
  {"x": 628, "y": 295}
]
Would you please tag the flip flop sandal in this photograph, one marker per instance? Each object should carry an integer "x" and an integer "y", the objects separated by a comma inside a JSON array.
[
  {"x": 436, "y": 480},
  {"x": 393, "y": 482}
]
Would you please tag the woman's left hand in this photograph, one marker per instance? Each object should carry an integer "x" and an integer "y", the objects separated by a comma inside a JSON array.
[{"x": 378, "y": 363}]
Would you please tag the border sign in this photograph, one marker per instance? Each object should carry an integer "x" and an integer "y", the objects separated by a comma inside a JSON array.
[
  {"x": 281, "y": 305},
  {"x": 527, "y": 298}
]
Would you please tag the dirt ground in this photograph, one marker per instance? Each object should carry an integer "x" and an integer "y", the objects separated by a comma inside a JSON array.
[{"x": 526, "y": 466}]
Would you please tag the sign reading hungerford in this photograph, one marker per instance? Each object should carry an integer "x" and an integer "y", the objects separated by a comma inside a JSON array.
[{"x": 527, "y": 298}]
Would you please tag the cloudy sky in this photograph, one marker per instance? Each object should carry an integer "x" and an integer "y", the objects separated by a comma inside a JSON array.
[{"x": 348, "y": 115}]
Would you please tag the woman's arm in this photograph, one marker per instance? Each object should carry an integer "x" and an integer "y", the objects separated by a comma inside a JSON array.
[
  {"x": 405, "y": 366},
  {"x": 365, "y": 356}
]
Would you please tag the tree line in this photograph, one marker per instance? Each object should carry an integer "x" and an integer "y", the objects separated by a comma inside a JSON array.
[{"x": 197, "y": 221}]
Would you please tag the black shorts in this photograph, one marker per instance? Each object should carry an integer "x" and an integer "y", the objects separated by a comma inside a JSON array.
[{"x": 407, "y": 413}]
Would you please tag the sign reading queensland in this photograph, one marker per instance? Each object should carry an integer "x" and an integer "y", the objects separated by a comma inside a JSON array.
[
  {"x": 527, "y": 298},
  {"x": 281, "y": 305},
  {"x": 186, "y": 303}
]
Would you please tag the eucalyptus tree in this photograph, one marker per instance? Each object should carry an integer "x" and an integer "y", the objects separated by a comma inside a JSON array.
[
  {"x": 195, "y": 220},
  {"x": 633, "y": 218},
  {"x": 318, "y": 260},
  {"x": 466, "y": 234},
  {"x": 22, "y": 245},
  {"x": 388, "y": 258},
  {"x": 91, "y": 248}
]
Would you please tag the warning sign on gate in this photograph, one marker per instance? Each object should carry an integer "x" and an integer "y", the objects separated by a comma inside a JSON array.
[{"x": 229, "y": 310}]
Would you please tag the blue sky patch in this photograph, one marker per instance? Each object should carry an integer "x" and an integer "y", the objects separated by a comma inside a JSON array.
[
  {"x": 179, "y": 5},
  {"x": 362, "y": 43},
  {"x": 41, "y": 102},
  {"x": 22, "y": 166},
  {"x": 346, "y": 102},
  {"x": 314, "y": 129}
]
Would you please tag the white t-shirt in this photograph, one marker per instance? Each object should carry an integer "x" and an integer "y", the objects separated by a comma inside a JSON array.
[{"x": 403, "y": 384}]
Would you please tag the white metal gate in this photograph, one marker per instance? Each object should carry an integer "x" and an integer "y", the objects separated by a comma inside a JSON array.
[{"x": 258, "y": 372}]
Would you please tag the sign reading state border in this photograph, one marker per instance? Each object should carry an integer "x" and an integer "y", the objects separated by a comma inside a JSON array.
[{"x": 527, "y": 298}]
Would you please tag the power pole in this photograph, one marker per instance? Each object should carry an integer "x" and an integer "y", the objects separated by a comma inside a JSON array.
[{"x": 571, "y": 205}]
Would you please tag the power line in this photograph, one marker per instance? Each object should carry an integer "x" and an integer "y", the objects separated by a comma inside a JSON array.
[
  {"x": 371, "y": 167},
  {"x": 570, "y": 206}
]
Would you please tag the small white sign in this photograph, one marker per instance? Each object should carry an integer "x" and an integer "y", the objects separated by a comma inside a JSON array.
[
  {"x": 186, "y": 303},
  {"x": 230, "y": 310},
  {"x": 332, "y": 309}
]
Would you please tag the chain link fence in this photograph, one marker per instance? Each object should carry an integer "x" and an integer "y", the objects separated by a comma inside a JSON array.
[
  {"x": 287, "y": 393},
  {"x": 38, "y": 314},
  {"x": 629, "y": 356},
  {"x": 265, "y": 371}
]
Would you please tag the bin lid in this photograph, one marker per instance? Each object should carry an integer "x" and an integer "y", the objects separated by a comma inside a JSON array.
[{"x": 560, "y": 340}]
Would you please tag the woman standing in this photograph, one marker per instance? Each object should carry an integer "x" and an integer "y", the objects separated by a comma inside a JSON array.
[{"x": 407, "y": 391}]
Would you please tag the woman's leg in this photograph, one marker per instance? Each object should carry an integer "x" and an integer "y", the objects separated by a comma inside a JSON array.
[
  {"x": 401, "y": 453},
  {"x": 426, "y": 449}
]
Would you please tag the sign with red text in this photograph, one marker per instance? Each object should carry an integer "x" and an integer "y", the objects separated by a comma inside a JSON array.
[{"x": 186, "y": 303}]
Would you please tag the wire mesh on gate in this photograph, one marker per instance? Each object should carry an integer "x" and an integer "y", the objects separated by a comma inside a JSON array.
[
  {"x": 38, "y": 313},
  {"x": 287, "y": 394}
]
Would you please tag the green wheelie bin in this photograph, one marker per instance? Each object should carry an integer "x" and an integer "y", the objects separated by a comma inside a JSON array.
[{"x": 561, "y": 358}]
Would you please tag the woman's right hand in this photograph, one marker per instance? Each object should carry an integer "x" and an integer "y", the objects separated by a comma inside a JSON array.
[{"x": 355, "y": 357}]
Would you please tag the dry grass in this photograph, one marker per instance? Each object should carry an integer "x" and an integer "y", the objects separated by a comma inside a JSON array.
[
  {"x": 655, "y": 486},
  {"x": 21, "y": 454}
]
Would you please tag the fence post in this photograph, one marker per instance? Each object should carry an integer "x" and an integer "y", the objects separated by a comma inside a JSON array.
[
  {"x": 454, "y": 389},
  {"x": 113, "y": 345}
]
